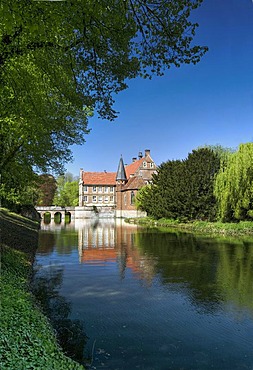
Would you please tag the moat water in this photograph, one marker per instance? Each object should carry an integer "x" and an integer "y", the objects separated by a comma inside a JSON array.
[{"x": 127, "y": 297}]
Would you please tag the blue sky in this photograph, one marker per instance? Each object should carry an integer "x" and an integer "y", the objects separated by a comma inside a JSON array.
[{"x": 209, "y": 103}]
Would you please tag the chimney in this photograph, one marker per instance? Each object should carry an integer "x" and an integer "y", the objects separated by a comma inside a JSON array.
[
  {"x": 147, "y": 152},
  {"x": 81, "y": 174},
  {"x": 140, "y": 155},
  {"x": 134, "y": 159}
]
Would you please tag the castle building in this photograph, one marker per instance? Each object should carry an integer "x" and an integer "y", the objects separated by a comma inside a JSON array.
[{"x": 116, "y": 190}]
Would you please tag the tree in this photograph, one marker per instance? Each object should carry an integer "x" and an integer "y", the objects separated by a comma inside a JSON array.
[
  {"x": 222, "y": 152},
  {"x": 60, "y": 61},
  {"x": 202, "y": 165},
  {"x": 168, "y": 191},
  {"x": 67, "y": 191},
  {"x": 47, "y": 188},
  {"x": 183, "y": 189},
  {"x": 234, "y": 186},
  {"x": 163, "y": 197}
]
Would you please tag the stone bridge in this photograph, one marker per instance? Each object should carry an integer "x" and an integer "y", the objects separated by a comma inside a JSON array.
[
  {"x": 76, "y": 212},
  {"x": 54, "y": 211},
  {"x": 86, "y": 212}
]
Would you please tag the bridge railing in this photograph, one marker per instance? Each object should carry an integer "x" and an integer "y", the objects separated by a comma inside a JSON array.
[{"x": 50, "y": 208}]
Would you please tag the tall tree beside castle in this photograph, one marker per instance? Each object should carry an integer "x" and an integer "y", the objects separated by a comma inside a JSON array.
[{"x": 183, "y": 189}]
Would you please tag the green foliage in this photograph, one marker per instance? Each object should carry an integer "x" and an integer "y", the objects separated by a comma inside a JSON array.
[
  {"x": 201, "y": 168},
  {"x": 222, "y": 152},
  {"x": 27, "y": 341},
  {"x": 67, "y": 191},
  {"x": 47, "y": 188},
  {"x": 241, "y": 228},
  {"x": 234, "y": 185},
  {"x": 183, "y": 189},
  {"x": 60, "y": 61},
  {"x": 18, "y": 186},
  {"x": 142, "y": 197}
]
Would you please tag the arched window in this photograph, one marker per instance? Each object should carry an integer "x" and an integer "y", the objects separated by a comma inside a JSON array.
[{"x": 132, "y": 197}]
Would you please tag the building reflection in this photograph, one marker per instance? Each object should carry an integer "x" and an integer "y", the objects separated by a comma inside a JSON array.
[{"x": 114, "y": 241}]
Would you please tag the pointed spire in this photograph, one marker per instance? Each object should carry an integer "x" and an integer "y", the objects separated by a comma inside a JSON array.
[{"x": 121, "y": 173}]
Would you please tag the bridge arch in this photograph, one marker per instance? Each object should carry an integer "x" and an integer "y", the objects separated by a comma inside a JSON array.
[
  {"x": 46, "y": 217},
  {"x": 64, "y": 214},
  {"x": 67, "y": 216},
  {"x": 58, "y": 217}
]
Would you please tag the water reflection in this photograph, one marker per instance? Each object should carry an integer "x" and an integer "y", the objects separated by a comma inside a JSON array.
[
  {"x": 211, "y": 270},
  {"x": 70, "y": 333},
  {"x": 103, "y": 242},
  {"x": 161, "y": 300}
]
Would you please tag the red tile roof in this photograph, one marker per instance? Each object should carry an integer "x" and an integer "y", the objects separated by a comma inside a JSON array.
[
  {"x": 135, "y": 182},
  {"x": 99, "y": 178},
  {"x": 133, "y": 167},
  {"x": 109, "y": 178}
]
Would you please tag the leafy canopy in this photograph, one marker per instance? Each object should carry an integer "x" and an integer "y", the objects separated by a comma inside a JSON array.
[
  {"x": 234, "y": 185},
  {"x": 60, "y": 61},
  {"x": 67, "y": 193},
  {"x": 183, "y": 189}
]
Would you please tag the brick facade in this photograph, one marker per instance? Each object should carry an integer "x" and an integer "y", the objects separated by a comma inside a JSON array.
[{"x": 116, "y": 189}]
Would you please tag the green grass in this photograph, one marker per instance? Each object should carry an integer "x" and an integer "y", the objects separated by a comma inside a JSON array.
[
  {"x": 27, "y": 340},
  {"x": 233, "y": 229}
]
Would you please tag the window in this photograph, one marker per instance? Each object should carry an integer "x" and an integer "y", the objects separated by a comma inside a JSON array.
[
  {"x": 152, "y": 165},
  {"x": 111, "y": 199},
  {"x": 100, "y": 199},
  {"x": 106, "y": 189},
  {"x": 144, "y": 164},
  {"x": 94, "y": 189},
  {"x": 106, "y": 199},
  {"x": 100, "y": 189},
  {"x": 132, "y": 197},
  {"x": 111, "y": 189},
  {"x": 94, "y": 199},
  {"x": 85, "y": 188},
  {"x": 85, "y": 199}
]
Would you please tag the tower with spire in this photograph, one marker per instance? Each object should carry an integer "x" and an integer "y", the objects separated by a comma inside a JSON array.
[{"x": 121, "y": 180}]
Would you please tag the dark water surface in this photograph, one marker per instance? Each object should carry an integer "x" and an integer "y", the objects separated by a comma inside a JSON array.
[{"x": 125, "y": 297}]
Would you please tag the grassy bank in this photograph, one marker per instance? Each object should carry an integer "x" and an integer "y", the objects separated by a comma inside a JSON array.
[
  {"x": 27, "y": 340},
  {"x": 203, "y": 227}
]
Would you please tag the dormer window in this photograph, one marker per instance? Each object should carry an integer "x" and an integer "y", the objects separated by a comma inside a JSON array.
[{"x": 144, "y": 164}]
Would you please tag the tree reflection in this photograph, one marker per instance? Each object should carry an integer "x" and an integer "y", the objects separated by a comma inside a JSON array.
[
  {"x": 46, "y": 242},
  {"x": 70, "y": 333},
  {"x": 211, "y": 271},
  {"x": 64, "y": 241},
  {"x": 235, "y": 273}
]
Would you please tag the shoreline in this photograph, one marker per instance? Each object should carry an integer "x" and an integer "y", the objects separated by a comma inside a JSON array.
[
  {"x": 28, "y": 339},
  {"x": 243, "y": 228}
]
